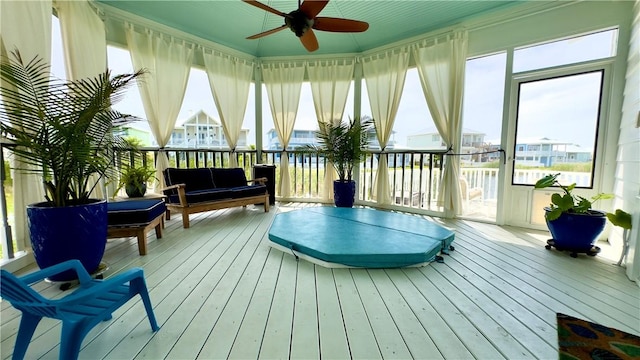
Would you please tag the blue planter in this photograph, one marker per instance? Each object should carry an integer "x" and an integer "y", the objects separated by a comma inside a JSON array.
[
  {"x": 344, "y": 193},
  {"x": 62, "y": 233},
  {"x": 577, "y": 232}
]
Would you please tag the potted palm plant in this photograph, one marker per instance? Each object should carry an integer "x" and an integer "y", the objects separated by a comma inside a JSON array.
[
  {"x": 572, "y": 222},
  {"x": 343, "y": 145},
  {"x": 62, "y": 131}
]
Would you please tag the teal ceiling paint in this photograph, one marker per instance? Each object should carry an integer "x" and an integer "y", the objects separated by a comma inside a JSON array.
[{"x": 229, "y": 22}]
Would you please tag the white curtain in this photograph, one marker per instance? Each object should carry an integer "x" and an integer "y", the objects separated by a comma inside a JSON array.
[
  {"x": 85, "y": 46},
  {"x": 330, "y": 81},
  {"x": 441, "y": 65},
  {"x": 283, "y": 83},
  {"x": 26, "y": 26},
  {"x": 83, "y": 39},
  {"x": 229, "y": 79},
  {"x": 168, "y": 62},
  {"x": 384, "y": 75}
]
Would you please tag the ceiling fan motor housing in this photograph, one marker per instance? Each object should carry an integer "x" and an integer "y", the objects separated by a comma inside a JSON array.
[{"x": 298, "y": 22}]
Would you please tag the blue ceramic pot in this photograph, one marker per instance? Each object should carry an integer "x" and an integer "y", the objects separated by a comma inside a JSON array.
[
  {"x": 577, "y": 232},
  {"x": 59, "y": 234},
  {"x": 344, "y": 193}
]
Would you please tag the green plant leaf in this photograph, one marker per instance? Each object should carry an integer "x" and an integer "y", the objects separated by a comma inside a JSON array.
[
  {"x": 546, "y": 181},
  {"x": 583, "y": 205},
  {"x": 620, "y": 218},
  {"x": 553, "y": 214}
]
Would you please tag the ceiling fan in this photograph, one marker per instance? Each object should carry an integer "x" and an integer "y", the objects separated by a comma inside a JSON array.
[{"x": 303, "y": 20}]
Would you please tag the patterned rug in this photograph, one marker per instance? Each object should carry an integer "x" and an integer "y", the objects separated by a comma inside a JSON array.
[{"x": 581, "y": 339}]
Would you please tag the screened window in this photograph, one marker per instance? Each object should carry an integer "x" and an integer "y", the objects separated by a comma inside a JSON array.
[{"x": 593, "y": 46}]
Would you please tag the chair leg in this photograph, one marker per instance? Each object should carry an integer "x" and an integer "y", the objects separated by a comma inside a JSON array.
[
  {"x": 72, "y": 335},
  {"x": 141, "y": 288},
  {"x": 185, "y": 220},
  {"x": 142, "y": 242},
  {"x": 28, "y": 324}
]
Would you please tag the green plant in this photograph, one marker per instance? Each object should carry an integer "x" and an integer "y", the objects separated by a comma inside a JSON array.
[
  {"x": 343, "y": 144},
  {"x": 61, "y": 130},
  {"x": 135, "y": 176},
  {"x": 567, "y": 202},
  {"x": 620, "y": 218}
]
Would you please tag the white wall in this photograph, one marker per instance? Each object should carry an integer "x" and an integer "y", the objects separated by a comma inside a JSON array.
[{"x": 627, "y": 175}]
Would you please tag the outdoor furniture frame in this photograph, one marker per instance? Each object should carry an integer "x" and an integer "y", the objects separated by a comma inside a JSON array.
[{"x": 191, "y": 191}]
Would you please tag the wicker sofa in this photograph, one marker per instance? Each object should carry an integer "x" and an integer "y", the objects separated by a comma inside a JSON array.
[{"x": 192, "y": 191}]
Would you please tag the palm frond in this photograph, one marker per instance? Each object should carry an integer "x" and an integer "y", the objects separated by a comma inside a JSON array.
[{"x": 64, "y": 129}]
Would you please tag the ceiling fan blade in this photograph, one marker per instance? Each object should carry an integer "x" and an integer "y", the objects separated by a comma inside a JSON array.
[
  {"x": 265, "y": 7},
  {"x": 312, "y": 8},
  {"x": 268, "y": 32},
  {"x": 339, "y": 25},
  {"x": 309, "y": 41}
]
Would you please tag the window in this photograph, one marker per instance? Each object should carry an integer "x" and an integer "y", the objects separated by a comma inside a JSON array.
[
  {"x": 576, "y": 49},
  {"x": 559, "y": 114}
]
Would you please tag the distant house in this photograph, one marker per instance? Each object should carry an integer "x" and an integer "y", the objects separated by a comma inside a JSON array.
[
  {"x": 546, "y": 152},
  {"x": 430, "y": 139},
  {"x": 303, "y": 137},
  {"x": 201, "y": 130},
  {"x": 139, "y": 130},
  {"x": 299, "y": 137}
]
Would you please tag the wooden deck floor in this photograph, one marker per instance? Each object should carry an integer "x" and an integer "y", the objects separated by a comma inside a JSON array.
[{"x": 219, "y": 291}]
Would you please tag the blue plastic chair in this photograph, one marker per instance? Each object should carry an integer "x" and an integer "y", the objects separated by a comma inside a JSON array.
[{"x": 94, "y": 301}]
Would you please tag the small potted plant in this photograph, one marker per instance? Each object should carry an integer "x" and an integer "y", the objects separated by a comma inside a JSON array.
[
  {"x": 134, "y": 179},
  {"x": 572, "y": 221},
  {"x": 343, "y": 145}
]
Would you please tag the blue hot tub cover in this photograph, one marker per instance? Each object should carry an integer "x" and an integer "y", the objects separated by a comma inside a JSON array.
[{"x": 360, "y": 237}]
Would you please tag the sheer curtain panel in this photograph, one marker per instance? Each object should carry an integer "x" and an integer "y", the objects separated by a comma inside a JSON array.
[
  {"x": 283, "y": 82},
  {"x": 330, "y": 81},
  {"x": 441, "y": 65},
  {"x": 229, "y": 79},
  {"x": 168, "y": 62},
  {"x": 384, "y": 75},
  {"x": 84, "y": 44},
  {"x": 19, "y": 21},
  {"x": 83, "y": 39}
]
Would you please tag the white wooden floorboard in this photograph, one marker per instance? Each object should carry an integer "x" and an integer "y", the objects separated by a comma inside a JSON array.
[
  {"x": 449, "y": 346},
  {"x": 362, "y": 341},
  {"x": 470, "y": 334},
  {"x": 276, "y": 341},
  {"x": 413, "y": 333},
  {"x": 333, "y": 338},
  {"x": 548, "y": 278},
  {"x": 219, "y": 291},
  {"x": 221, "y": 338},
  {"x": 249, "y": 338},
  {"x": 388, "y": 337},
  {"x": 304, "y": 332}
]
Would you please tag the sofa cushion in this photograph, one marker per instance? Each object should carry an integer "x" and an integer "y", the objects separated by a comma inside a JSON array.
[
  {"x": 194, "y": 179},
  {"x": 199, "y": 196},
  {"x": 246, "y": 191},
  {"x": 228, "y": 178}
]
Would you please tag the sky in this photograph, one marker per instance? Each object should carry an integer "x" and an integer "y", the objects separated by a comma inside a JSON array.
[{"x": 562, "y": 109}]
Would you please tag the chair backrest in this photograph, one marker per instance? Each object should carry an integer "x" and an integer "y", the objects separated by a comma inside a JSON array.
[{"x": 23, "y": 297}]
